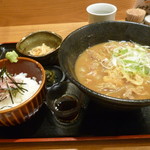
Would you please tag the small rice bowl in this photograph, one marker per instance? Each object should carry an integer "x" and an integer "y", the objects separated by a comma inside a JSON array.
[{"x": 31, "y": 86}]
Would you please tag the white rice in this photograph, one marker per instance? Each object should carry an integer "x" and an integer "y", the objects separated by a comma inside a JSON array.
[{"x": 31, "y": 85}]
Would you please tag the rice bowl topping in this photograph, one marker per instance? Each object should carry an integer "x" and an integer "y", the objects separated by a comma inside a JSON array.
[{"x": 16, "y": 89}]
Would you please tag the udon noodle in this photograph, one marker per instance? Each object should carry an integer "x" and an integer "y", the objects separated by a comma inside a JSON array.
[{"x": 116, "y": 68}]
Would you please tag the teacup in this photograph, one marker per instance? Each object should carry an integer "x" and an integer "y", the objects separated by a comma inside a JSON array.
[{"x": 99, "y": 12}]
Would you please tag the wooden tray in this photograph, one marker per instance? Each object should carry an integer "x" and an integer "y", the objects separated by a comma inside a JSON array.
[{"x": 94, "y": 124}]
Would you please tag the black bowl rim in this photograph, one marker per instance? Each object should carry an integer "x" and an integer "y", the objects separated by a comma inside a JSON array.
[
  {"x": 107, "y": 98},
  {"x": 58, "y": 68}
]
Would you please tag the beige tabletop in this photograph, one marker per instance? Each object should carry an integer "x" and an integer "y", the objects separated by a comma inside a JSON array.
[{"x": 15, "y": 33}]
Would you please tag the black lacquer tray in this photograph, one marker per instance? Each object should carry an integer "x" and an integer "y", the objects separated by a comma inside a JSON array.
[{"x": 94, "y": 123}]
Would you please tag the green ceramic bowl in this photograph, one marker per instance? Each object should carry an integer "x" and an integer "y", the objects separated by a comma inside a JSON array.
[{"x": 36, "y": 39}]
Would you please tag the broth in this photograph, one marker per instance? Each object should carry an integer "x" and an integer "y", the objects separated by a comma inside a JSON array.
[{"x": 116, "y": 68}]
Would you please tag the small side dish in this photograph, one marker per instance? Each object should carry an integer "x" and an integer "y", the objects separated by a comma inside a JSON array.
[
  {"x": 41, "y": 45},
  {"x": 54, "y": 75}
]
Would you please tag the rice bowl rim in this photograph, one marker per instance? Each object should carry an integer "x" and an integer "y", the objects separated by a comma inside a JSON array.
[{"x": 38, "y": 90}]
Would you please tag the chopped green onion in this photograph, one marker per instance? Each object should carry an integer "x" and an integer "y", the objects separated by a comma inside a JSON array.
[{"x": 132, "y": 59}]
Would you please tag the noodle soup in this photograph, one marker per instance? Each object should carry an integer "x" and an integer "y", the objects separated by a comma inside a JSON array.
[{"x": 116, "y": 68}]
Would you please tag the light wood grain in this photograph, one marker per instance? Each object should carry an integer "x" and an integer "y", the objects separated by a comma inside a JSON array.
[
  {"x": 90, "y": 145},
  {"x": 26, "y": 12},
  {"x": 15, "y": 33}
]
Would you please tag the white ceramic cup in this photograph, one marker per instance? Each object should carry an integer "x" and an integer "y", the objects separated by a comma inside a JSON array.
[{"x": 99, "y": 12}]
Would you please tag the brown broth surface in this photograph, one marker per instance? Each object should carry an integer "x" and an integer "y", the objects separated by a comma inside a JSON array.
[{"x": 94, "y": 70}]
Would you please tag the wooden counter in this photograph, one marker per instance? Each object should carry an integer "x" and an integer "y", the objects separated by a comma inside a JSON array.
[
  {"x": 15, "y": 33},
  {"x": 30, "y": 12}
]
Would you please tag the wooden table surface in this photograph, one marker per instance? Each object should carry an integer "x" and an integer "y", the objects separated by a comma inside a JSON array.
[
  {"x": 26, "y": 12},
  {"x": 14, "y": 34}
]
